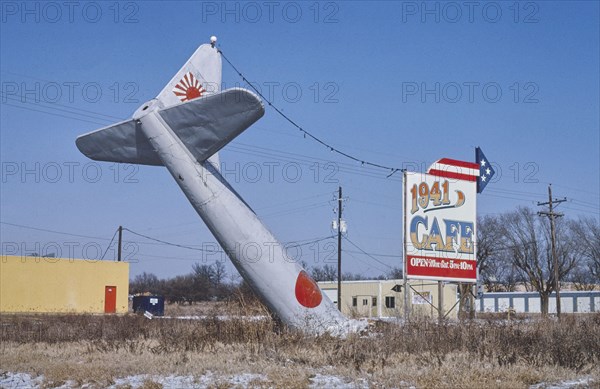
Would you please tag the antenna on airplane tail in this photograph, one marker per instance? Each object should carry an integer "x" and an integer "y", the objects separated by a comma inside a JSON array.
[{"x": 213, "y": 41}]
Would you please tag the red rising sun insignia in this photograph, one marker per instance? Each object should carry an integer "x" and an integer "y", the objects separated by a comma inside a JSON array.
[{"x": 188, "y": 88}]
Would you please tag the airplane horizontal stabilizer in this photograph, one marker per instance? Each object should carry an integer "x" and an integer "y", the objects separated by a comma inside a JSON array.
[
  {"x": 122, "y": 142},
  {"x": 204, "y": 126}
]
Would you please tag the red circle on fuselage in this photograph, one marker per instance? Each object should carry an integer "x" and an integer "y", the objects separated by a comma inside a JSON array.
[{"x": 308, "y": 293}]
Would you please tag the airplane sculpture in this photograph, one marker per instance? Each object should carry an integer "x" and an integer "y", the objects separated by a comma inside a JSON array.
[{"x": 183, "y": 129}]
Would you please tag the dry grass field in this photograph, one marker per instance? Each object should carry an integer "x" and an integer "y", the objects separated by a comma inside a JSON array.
[{"x": 96, "y": 350}]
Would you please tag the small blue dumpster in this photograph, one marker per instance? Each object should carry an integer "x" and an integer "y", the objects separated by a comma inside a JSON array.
[{"x": 153, "y": 304}]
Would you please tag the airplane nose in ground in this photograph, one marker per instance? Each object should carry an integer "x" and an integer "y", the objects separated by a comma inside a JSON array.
[{"x": 308, "y": 293}]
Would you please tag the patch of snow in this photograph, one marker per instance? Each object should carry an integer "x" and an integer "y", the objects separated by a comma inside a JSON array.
[
  {"x": 23, "y": 380},
  {"x": 219, "y": 317},
  {"x": 203, "y": 381},
  {"x": 583, "y": 382},
  {"x": 333, "y": 381},
  {"x": 19, "y": 380},
  {"x": 350, "y": 326},
  {"x": 171, "y": 381}
]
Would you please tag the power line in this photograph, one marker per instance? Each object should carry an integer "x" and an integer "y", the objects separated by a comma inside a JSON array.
[
  {"x": 69, "y": 234},
  {"x": 68, "y": 109},
  {"x": 299, "y": 209},
  {"x": 298, "y": 200},
  {"x": 238, "y": 147},
  {"x": 584, "y": 210},
  {"x": 292, "y": 243},
  {"x": 66, "y": 233},
  {"x": 578, "y": 189},
  {"x": 52, "y": 231},
  {"x": 53, "y": 114},
  {"x": 349, "y": 146},
  {"x": 360, "y": 260},
  {"x": 388, "y": 206},
  {"x": 301, "y": 242},
  {"x": 375, "y": 254},
  {"x": 585, "y": 203},
  {"x": 392, "y": 170},
  {"x": 367, "y": 254},
  {"x": 108, "y": 247},
  {"x": 310, "y": 242},
  {"x": 170, "y": 243},
  {"x": 163, "y": 257},
  {"x": 291, "y": 201}
]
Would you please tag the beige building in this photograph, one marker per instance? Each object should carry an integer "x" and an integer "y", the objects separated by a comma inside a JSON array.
[
  {"x": 385, "y": 298},
  {"x": 52, "y": 285}
]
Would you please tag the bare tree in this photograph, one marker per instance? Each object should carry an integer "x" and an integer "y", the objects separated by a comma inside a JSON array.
[
  {"x": 203, "y": 287},
  {"x": 527, "y": 238},
  {"x": 325, "y": 273},
  {"x": 219, "y": 273},
  {"x": 587, "y": 232},
  {"x": 501, "y": 274},
  {"x": 395, "y": 273},
  {"x": 489, "y": 261},
  {"x": 204, "y": 272},
  {"x": 180, "y": 289},
  {"x": 581, "y": 278},
  {"x": 488, "y": 244},
  {"x": 145, "y": 283}
]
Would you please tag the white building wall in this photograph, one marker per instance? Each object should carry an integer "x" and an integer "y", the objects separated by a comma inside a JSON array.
[
  {"x": 519, "y": 304},
  {"x": 583, "y": 304},
  {"x": 571, "y": 301}
]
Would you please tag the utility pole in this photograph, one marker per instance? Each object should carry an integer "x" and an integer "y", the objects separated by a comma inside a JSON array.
[
  {"x": 119, "y": 245},
  {"x": 551, "y": 215},
  {"x": 339, "y": 224}
]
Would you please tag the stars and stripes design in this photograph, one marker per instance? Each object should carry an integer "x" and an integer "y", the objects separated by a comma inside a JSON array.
[
  {"x": 188, "y": 88},
  {"x": 480, "y": 172},
  {"x": 454, "y": 169},
  {"x": 486, "y": 171}
]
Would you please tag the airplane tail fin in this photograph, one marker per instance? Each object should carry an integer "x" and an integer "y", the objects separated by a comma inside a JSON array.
[{"x": 200, "y": 76}]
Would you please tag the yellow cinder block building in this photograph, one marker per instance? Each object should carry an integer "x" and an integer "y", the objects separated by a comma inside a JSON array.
[{"x": 60, "y": 285}]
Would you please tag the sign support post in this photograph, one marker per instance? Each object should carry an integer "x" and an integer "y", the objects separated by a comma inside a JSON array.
[
  {"x": 405, "y": 267},
  {"x": 440, "y": 301}
]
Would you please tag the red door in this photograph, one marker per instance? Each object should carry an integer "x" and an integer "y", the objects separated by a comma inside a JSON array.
[{"x": 110, "y": 299}]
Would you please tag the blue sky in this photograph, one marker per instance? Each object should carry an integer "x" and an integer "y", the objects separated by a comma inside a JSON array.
[{"x": 396, "y": 83}]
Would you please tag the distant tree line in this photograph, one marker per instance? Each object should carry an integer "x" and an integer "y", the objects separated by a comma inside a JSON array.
[
  {"x": 513, "y": 249},
  {"x": 205, "y": 283},
  {"x": 329, "y": 273},
  {"x": 210, "y": 282}
]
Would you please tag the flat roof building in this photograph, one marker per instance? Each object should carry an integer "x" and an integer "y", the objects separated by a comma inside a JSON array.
[
  {"x": 59, "y": 285},
  {"x": 385, "y": 298}
]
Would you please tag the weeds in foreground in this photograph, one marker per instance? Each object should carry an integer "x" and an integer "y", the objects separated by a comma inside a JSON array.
[{"x": 493, "y": 346}]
